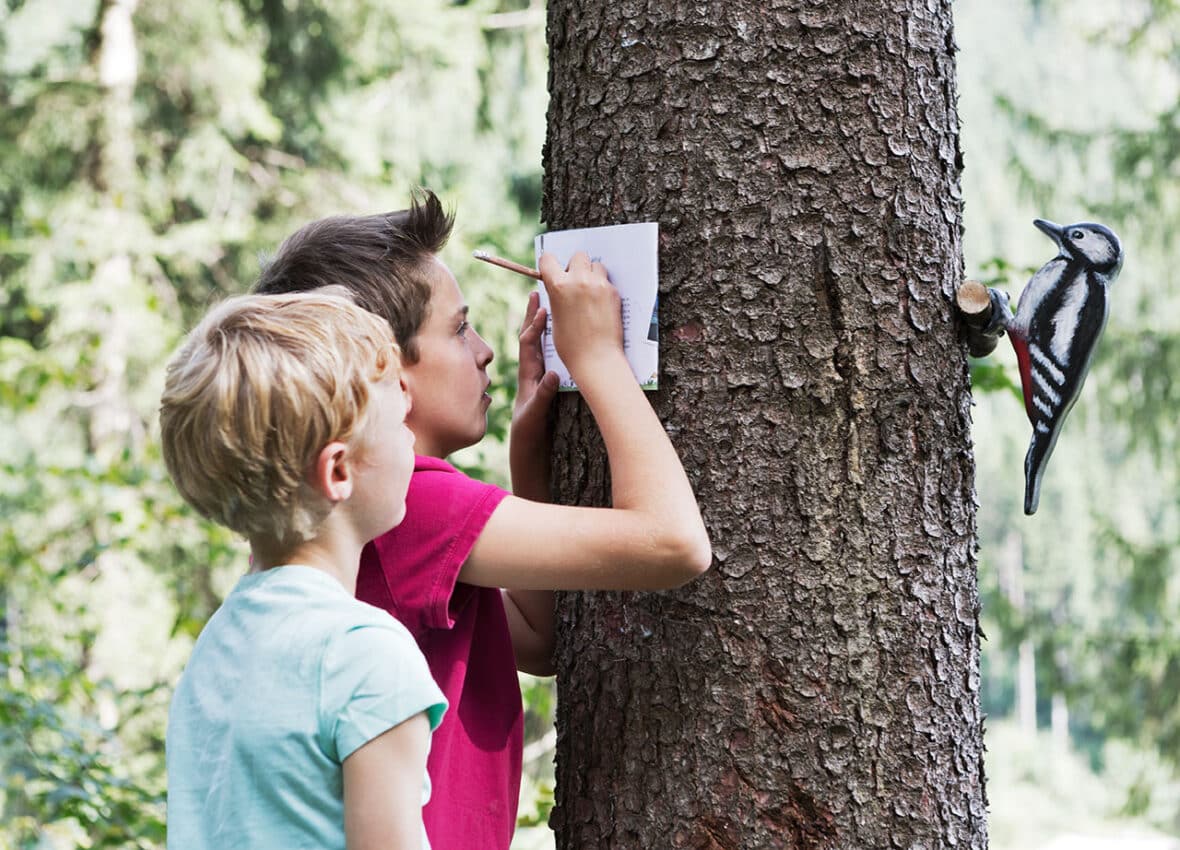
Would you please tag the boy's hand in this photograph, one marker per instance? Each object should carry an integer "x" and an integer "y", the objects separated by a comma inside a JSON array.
[
  {"x": 535, "y": 388},
  {"x": 587, "y": 314}
]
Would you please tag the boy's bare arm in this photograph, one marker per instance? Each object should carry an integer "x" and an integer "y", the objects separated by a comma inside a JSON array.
[
  {"x": 383, "y": 789},
  {"x": 530, "y": 622},
  {"x": 653, "y": 536},
  {"x": 530, "y": 612}
]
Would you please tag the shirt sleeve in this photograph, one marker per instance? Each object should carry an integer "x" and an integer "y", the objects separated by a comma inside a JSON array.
[
  {"x": 446, "y": 511},
  {"x": 373, "y": 678}
]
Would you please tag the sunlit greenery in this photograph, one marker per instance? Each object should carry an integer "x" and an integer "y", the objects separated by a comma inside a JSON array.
[
  {"x": 148, "y": 160},
  {"x": 1080, "y": 122}
]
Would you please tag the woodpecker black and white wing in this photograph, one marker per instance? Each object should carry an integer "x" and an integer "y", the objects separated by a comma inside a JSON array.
[{"x": 1062, "y": 336}]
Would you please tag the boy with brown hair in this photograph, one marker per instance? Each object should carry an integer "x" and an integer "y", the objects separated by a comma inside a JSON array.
[{"x": 472, "y": 570}]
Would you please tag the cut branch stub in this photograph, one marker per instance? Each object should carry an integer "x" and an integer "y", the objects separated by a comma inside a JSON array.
[{"x": 985, "y": 315}]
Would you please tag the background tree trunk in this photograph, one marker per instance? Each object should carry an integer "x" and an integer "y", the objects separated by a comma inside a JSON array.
[
  {"x": 1010, "y": 565},
  {"x": 820, "y": 686}
]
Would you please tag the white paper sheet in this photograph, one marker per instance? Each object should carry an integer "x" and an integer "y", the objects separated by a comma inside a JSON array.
[{"x": 630, "y": 253}]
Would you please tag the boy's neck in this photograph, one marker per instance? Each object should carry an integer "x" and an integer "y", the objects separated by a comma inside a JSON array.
[{"x": 337, "y": 558}]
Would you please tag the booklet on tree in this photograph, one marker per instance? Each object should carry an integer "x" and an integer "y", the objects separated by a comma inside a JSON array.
[{"x": 630, "y": 253}]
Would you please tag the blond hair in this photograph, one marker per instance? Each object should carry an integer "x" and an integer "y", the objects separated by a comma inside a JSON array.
[{"x": 257, "y": 389}]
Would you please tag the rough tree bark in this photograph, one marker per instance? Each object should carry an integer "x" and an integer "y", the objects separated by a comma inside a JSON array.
[{"x": 819, "y": 687}]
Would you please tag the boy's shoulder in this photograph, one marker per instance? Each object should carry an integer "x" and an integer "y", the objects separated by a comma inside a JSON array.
[
  {"x": 433, "y": 474},
  {"x": 293, "y": 606},
  {"x": 301, "y": 627},
  {"x": 441, "y": 497},
  {"x": 426, "y": 464},
  {"x": 413, "y": 569}
]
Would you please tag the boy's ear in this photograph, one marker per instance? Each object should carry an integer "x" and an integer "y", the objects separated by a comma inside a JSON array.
[{"x": 331, "y": 474}]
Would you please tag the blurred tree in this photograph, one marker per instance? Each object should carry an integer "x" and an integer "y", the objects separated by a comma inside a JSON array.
[
  {"x": 149, "y": 154},
  {"x": 820, "y": 686},
  {"x": 1100, "y": 139}
]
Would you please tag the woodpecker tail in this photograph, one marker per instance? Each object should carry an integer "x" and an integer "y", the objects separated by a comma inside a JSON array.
[{"x": 1040, "y": 447}]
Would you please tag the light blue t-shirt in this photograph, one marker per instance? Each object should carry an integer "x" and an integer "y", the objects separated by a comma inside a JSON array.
[{"x": 290, "y": 676}]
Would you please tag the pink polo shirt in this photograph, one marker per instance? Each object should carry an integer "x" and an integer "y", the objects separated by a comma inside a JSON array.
[{"x": 412, "y": 572}]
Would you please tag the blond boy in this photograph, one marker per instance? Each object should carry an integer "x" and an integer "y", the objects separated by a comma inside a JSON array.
[{"x": 303, "y": 718}]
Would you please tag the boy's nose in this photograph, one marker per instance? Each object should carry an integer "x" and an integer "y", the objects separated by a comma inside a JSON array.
[{"x": 483, "y": 352}]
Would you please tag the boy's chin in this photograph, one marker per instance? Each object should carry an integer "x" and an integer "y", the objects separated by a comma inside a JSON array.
[{"x": 464, "y": 441}]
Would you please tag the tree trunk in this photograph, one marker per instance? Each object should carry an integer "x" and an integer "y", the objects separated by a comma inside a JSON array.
[
  {"x": 1059, "y": 722},
  {"x": 1011, "y": 571},
  {"x": 820, "y": 686},
  {"x": 110, "y": 420}
]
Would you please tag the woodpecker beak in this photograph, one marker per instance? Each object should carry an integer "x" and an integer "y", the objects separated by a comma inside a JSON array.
[{"x": 1054, "y": 231}]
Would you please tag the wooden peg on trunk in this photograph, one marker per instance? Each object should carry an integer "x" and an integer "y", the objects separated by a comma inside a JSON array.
[{"x": 985, "y": 314}]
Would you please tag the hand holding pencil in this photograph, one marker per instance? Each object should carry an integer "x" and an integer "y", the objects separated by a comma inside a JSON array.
[{"x": 586, "y": 309}]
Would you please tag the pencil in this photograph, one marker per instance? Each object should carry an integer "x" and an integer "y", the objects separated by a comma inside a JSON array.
[{"x": 506, "y": 264}]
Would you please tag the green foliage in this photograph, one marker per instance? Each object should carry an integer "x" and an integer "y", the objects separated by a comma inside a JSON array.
[
  {"x": 990, "y": 377},
  {"x": 537, "y": 792},
  {"x": 143, "y": 173},
  {"x": 1090, "y": 130},
  {"x": 1144, "y": 386},
  {"x": 125, "y": 211},
  {"x": 61, "y": 769},
  {"x": 1058, "y": 792},
  {"x": 543, "y": 802}
]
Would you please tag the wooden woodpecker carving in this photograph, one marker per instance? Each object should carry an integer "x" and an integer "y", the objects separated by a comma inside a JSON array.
[{"x": 1061, "y": 313}]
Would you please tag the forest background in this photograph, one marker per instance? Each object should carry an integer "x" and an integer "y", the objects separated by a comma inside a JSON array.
[{"x": 152, "y": 153}]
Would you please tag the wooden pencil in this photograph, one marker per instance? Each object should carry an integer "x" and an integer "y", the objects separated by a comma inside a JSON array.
[{"x": 506, "y": 264}]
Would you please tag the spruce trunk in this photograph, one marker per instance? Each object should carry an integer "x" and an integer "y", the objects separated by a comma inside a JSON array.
[{"x": 819, "y": 687}]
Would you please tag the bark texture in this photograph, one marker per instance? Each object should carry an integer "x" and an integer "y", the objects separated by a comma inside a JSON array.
[{"x": 819, "y": 686}]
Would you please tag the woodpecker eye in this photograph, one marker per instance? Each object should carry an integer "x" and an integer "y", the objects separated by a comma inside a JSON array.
[{"x": 1077, "y": 234}]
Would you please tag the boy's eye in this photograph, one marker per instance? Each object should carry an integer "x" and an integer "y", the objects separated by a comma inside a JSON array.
[{"x": 463, "y": 326}]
